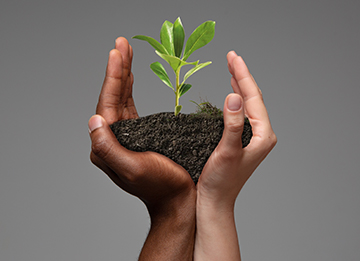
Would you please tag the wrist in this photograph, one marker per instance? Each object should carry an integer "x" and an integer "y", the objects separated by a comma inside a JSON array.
[
  {"x": 213, "y": 213},
  {"x": 214, "y": 201},
  {"x": 177, "y": 211}
]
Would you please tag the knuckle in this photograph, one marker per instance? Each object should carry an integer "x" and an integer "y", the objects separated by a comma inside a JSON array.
[
  {"x": 93, "y": 158},
  {"x": 131, "y": 179},
  {"x": 270, "y": 141},
  {"x": 235, "y": 126},
  {"x": 135, "y": 176},
  {"x": 136, "y": 173},
  {"x": 101, "y": 148},
  {"x": 273, "y": 140},
  {"x": 96, "y": 161},
  {"x": 261, "y": 95},
  {"x": 226, "y": 156},
  {"x": 127, "y": 67}
]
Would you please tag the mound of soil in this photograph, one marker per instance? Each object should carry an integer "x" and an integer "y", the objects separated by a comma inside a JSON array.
[{"x": 187, "y": 139}]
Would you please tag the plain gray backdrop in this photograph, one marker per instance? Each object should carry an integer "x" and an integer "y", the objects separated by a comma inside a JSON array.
[{"x": 302, "y": 203}]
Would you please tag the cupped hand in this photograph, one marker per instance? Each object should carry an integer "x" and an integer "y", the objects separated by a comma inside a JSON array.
[
  {"x": 155, "y": 179},
  {"x": 230, "y": 165}
]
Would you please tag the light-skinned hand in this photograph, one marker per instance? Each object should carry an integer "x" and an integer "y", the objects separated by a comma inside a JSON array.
[{"x": 230, "y": 166}]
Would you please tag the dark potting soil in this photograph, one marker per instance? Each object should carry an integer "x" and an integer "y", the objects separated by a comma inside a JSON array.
[{"x": 187, "y": 139}]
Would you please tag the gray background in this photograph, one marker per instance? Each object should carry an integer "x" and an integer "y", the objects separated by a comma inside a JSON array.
[{"x": 301, "y": 204}]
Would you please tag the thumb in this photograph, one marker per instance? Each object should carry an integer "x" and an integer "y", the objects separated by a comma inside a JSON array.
[
  {"x": 105, "y": 146},
  {"x": 233, "y": 122}
]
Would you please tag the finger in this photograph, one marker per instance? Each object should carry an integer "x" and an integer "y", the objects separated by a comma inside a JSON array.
[
  {"x": 263, "y": 135},
  {"x": 231, "y": 141},
  {"x": 123, "y": 46},
  {"x": 253, "y": 101},
  {"x": 108, "y": 150},
  {"x": 235, "y": 86},
  {"x": 110, "y": 95},
  {"x": 230, "y": 58},
  {"x": 132, "y": 109},
  {"x": 131, "y": 53},
  {"x": 126, "y": 99},
  {"x": 132, "y": 112}
]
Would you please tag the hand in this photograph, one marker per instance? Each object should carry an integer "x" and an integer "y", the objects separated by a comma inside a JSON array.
[
  {"x": 230, "y": 166},
  {"x": 164, "y": 186}
]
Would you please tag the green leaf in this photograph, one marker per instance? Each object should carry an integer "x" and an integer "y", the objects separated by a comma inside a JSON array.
[
  {"x": 167, "y": 37},
  {"x": 201, "y": 36},
  {"x": 179, "y": 36},
  {"x": 195, "y": 69},
  {"x": 177, "y": 109},
  {"x": 160, "y": 71},
  {"x": 158, "y": 46},
  {"x": 184, "y": 88},
  {"x": 174, "y": 61}
]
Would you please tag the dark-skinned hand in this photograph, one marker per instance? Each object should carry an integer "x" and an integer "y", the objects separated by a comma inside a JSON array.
[{"x": 164, "y": 186}]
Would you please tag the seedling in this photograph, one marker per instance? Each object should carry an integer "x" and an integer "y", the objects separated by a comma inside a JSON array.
[
  {"x": 172, "y": 37},
  {"x": 206, "y": 108}
]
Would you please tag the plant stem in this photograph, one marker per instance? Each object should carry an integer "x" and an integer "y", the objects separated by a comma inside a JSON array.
[{"x": 177, "y": 92}]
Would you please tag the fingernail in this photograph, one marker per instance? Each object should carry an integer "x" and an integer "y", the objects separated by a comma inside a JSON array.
[
  {"x": 234, "y": 102},
  {"x": 94, "y": 123}
]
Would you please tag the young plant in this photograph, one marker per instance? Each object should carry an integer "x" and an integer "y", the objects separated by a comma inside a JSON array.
[
  {"x": 170, "y": 48},
  {"x": 206, "y": 108}
]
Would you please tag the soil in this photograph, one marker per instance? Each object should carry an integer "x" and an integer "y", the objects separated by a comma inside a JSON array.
[{"x": 187, "y": 139}]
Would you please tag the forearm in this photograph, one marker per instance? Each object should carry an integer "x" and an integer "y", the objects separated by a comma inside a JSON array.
[
  {"x": 216, "y": 236},
  {"x": 172, "y": 233}
]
